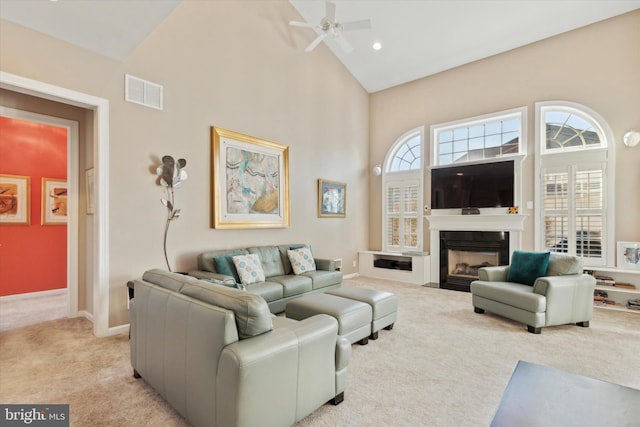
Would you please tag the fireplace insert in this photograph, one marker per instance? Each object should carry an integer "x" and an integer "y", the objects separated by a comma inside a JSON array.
[{"x": 463, "y": 253}]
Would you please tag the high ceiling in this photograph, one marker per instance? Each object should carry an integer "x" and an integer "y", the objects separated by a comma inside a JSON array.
[{"x": 419, "y": 37}]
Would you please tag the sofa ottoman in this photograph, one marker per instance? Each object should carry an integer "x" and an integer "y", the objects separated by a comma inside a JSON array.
[
  {"x": 354, "y": 317},
  {"x": 384, "y": 306}
]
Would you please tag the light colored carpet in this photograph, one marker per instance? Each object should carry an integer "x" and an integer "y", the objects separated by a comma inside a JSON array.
[
  {"x": 441, "y": 365},
  {"x": 29, "y": 310}
]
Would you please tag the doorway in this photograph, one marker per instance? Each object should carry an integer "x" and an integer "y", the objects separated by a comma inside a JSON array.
[
  {"x": 45, "y": 149},
  {"x": 99, "y": 248}
]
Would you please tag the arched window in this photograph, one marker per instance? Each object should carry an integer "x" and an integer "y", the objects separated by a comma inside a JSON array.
[
  {"x": 407, "y": 155},
  {"x": 569, "y": 129},
  {"x": 402, "y": 202},
  {"x": 574, "y": 194}
]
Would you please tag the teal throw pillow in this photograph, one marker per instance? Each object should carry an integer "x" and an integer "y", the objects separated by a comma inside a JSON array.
[
  {"x": 224, "y": 265},
  {"x": 526, "y": 267}
]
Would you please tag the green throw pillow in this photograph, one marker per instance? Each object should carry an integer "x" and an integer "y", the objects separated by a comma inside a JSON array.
[
  {"x": 224, "y": 265},
  {"x": 526, "y": 267}
]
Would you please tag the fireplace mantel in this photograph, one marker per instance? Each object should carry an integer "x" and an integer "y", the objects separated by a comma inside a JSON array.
[
  {"x": 476, "y": 222},
  {"x": 514, "y": 224}
]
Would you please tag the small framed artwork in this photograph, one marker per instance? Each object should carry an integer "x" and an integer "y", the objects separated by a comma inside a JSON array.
[
  {"x": 249, "y": 181},
  {"x": 88, "y": 175},
  {"x": 15, "y": 195},
  {"x": 332, "y": 199},
  {"x": 54, "y": 201},
  {"x": 629, "y": 255}
]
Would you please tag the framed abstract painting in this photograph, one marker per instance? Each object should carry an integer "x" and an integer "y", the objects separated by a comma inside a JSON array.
[
  {"x": 249, "y": 181},
  {"x": 15, "y": 195},
  {"x": 332, "y": 199},
  {"x": 54, "y": 201},
  {"x": 629, "y": 255}
]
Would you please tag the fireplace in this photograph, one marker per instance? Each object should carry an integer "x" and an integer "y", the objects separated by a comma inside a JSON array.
[{"x": 462, "y": 253}]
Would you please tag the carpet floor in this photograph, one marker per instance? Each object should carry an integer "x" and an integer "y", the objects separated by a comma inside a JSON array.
[{"x": 441, "y": 365}]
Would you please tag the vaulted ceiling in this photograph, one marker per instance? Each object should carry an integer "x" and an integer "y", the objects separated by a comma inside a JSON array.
[{"x": 418, "y": 37}]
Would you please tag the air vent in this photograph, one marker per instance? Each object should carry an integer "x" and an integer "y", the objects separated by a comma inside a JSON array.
[{"x": 142, "y": 92}]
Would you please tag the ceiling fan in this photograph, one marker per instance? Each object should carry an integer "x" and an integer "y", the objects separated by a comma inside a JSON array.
[{"x": 330, "y": 27}]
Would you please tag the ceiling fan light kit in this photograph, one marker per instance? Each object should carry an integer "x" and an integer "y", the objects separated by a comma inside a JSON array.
[{"x": 328, "y": 26}]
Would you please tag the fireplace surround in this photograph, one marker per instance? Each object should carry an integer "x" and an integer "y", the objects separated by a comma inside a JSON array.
[{"x": 485, "y": 221}]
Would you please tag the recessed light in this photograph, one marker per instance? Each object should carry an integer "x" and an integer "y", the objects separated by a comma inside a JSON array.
[{"x": 377, "y": 46}]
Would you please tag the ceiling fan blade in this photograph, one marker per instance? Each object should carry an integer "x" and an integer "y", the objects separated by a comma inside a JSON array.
[
  {"x": 344, "y": 45},
  {"x": 316, "y": 42},
  {"x": 365, "y": 24},
  {"x": 331, "y": 12},
  {"x": 301, "y": 24}
]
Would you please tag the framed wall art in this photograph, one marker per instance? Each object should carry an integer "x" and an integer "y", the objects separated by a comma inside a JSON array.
[
  {"x": 88, "y": 175},
  {"x": 249, "y": 181},
  {"x": 629, "y": 255},
  {"x": 332, "y": 199},
  {"x": 54, "y": 201},
  {"x": 15, "y": 195}
]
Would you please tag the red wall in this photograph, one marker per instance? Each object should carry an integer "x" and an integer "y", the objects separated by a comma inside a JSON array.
[{"x": 32, "y": 257}]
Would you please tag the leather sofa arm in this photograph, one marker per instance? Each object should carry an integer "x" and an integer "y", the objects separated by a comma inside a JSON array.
[
  {"x": 278, "y": 377},
  {"x": 497, "y": 273},
  {"x": 343, "y": 353},
  {"x": 569, "y": 298},
  {"x": 555, "y": 284},
  {"x": 325, "y": 264},
  {"x": 221, "y": 279}
]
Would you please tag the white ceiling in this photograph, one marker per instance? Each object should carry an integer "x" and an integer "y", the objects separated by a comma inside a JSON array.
[{"x": 419, "y": 37}]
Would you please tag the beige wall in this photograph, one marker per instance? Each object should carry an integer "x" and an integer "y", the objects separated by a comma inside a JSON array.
[
  {"x": 597, "y": 66},
  {"x": 237, "y": 65}
]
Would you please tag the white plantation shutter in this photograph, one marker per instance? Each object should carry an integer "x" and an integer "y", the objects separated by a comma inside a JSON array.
[
  {"x": 394, "y": 201},
  {"x": 402, "y": 216},
  {"x": 590, "y": 213},
  {"x": 556, "y": 210},
  {"x": 574, "y": 210}
]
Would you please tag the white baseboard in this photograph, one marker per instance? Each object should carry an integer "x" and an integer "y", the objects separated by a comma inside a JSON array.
[
  {"x": 351, "y": 276},
  {"x": 122, "y": 329},
  {"x": 50, "y": 293},
  {"x": 86, "y": 315}
]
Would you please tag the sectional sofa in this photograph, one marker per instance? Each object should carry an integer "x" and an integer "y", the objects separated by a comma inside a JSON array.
[
  {"x": 281, "y": 283},
  {"x": 220, "y": 358}
]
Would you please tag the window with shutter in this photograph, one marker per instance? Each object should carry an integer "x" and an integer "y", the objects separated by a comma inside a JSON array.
[
  {"x": 402, "y": 183},
  {"x": 573, "y": 211},
  {"x": 573, "y": 158},
  {"x": 402, "y": 216}
]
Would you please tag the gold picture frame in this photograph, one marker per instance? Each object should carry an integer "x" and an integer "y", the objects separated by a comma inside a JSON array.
[
  {"x": 249, "y": 181},
  {"x": 15, "y": 200},
  {"x": 54, "y": 201},
  {"x": 332, "y": 199}
]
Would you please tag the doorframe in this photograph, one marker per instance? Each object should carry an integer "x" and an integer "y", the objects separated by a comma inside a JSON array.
[
  {"x": 73, "y": 177},
  {"x": 100, "y": 249}
]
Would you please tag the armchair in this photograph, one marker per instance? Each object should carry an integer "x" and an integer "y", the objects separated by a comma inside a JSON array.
[{"x": 561, "y": 295}]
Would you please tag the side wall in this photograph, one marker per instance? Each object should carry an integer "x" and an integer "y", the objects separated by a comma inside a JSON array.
[
  {"x": 237, "y": 65},
  {"x": 597, "y": 66},
  {"x": 37, "y": 151}
]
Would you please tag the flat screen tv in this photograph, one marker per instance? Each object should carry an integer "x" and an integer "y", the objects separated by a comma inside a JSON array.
[{"x": 486, "y": 185}]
